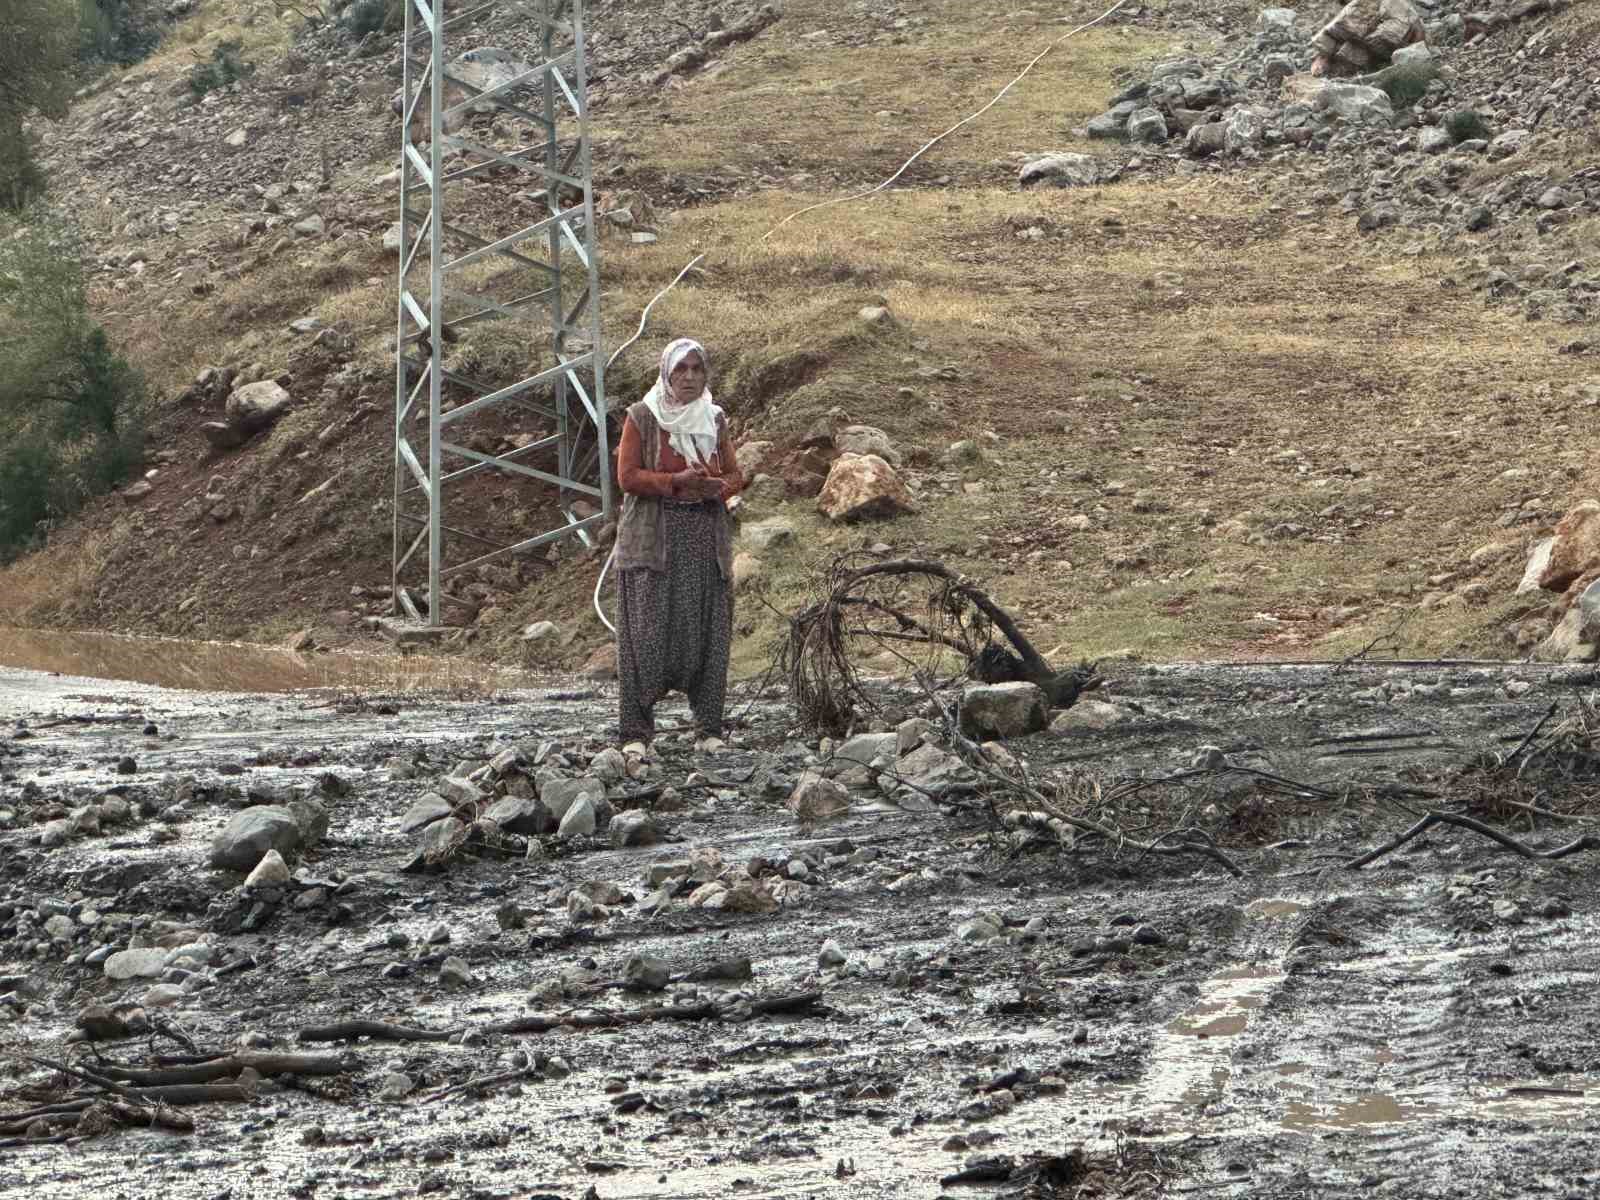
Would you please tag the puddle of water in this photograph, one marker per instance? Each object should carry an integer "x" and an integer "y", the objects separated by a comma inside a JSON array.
[
  {"x": 1190, "y": 1060},
  {"x": 240, "y": 667},
  {"x": 1362, "y": 1113}
]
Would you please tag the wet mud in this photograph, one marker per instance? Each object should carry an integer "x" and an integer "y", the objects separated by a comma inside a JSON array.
[{"x": 1425, "y": 1027}]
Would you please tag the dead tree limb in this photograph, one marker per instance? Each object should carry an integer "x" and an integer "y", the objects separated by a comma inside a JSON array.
[
  {"x": 1188, "y": 841},
  {"x": 485, "y": 1081},
  {"x": 709, "y": 1010},
  {"x": 1587, "y": 842},
  {"x": 349, "y": 1031},
  {"x": 818, "y": 659},
  {"x": 228, "y": 1068}
]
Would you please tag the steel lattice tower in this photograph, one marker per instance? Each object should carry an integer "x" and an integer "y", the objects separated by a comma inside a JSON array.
[{"x": 444, "y": 287}]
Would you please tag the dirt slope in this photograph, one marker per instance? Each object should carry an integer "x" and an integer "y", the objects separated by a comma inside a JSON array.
[{"x": 1214, "y": 419}]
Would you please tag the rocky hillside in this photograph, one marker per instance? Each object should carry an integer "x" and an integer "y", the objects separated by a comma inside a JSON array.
[{"x": 1183, "y": 351}]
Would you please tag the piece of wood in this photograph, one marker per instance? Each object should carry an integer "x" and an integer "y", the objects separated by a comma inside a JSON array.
[
  {"x": 1587, "y": 842},
  {"x": 228, "y": 1067},
  {"x": 484, "y": 1081},
  {"x": 349, "y": 1031},
  {"x": 705, "y": 1011}
]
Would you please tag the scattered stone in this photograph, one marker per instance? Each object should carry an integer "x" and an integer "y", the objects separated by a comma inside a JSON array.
[
  {"x": 1003, "y": 710},
  {"x": 136, "y": 964},
  {"x": 454, "y": 972},
  {"x": 634, "y": 829},
  {"x": 817, "y": 799},
  {"x": 1090, "y": 716},
  {"x": 271, "y": 870},
  {"x": 251, "y": 833},
  {"x": 255, "y": 406},
  {"x": 1061, "y": 170},
  {"x": 645, "y": 974},
  {"x": 762, "y": 536},
  {"x": 579, "y": 820}
]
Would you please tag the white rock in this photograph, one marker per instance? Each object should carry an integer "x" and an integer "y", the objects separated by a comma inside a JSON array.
[
  {"x": 270, "y": 870},
  {"x": 145, "y": 963}
]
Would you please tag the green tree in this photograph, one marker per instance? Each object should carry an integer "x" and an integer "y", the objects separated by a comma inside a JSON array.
[
  {"x": 71, "y": 408},
  {"x": 37, "y": 52}
]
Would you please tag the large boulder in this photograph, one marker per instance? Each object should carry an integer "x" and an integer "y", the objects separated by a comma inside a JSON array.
[
  {"x": 1576, "y": 548},
  {"x": 1062, "y": 170},
  {"x": 1003, "y": 710},
  {"x": 251, "y": 833},
  {"x": 863, "y": 485},
  {"x": 253, "y": 407}
]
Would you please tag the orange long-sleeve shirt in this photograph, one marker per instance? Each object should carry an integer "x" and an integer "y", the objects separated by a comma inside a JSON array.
[{"x": 635, "y": 479}]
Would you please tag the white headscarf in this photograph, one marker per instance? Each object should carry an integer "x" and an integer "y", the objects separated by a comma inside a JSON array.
[{"x": 691, "y": 427}]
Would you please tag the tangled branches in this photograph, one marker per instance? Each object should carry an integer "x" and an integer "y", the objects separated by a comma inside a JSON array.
[{"x": 871, "y": 601}]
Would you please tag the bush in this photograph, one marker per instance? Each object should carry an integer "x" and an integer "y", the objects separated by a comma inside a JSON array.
[
  {"x": 1464, "y": 125},
  {"x": 22, "y": 179},
  {"x": 364, "y": 17},
  {"x": 224, "y": 68},
  {"x": 119, "y": 31},
  {"x": 71, "y": 408}
]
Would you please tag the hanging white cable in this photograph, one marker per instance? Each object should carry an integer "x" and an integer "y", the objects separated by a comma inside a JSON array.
[
  {"x": 885, "y": 185},
  {"x": 906, "y": 166}
]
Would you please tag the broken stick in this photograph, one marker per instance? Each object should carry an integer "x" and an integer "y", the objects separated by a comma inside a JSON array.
[
  {"x": 707, "y": 1011},
  {"x": 349, "y": 1031},
  {"x": 1587, "y": 842}
]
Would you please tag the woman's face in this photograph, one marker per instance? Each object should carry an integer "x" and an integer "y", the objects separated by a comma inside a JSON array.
[{"x": 688, "y": 379}]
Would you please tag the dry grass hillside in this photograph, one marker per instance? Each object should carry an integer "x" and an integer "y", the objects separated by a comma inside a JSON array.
[{"x": 1215, "y": 421}]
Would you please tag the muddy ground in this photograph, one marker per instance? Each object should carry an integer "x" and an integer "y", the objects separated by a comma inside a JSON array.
[{"x": 1424, "y": 1027}]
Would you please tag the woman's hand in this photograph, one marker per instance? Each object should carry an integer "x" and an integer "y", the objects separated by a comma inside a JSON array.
[{"x": 696, "y": 485}]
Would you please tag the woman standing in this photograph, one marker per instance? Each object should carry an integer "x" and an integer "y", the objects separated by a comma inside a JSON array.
[{"x": 676, "y": 467}]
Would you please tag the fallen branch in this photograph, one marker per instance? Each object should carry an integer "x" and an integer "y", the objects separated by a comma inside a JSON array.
[
  {"x": 707, "y": 1011},
  {"x": 1189, "y": 841},
  {"x": 1587, "y": 842},
  {"x": 104, "y": 1084},
  {"x": 228, "y": 1067},
  {"x": 473, "y": 1085},
  {"x": 349, "y": 1031}
]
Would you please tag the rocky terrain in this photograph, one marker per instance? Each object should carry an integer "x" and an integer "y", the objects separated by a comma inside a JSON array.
[
  {"x": 699, "y": 982},
  {"x": 1419, "y": 242}
]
